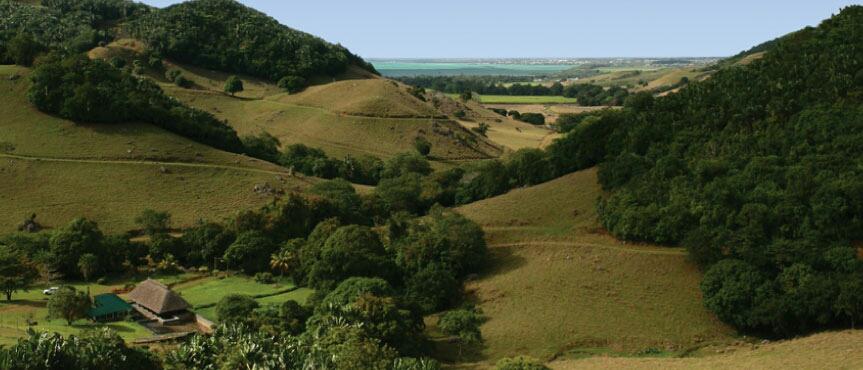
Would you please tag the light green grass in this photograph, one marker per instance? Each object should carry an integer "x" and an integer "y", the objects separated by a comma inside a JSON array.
[
  {"x": 203, "y": 294},
  {"x": 32, "y": 305}
]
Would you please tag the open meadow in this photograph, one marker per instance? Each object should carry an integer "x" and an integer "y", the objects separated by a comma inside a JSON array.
[{"x": 560, "y": 287}]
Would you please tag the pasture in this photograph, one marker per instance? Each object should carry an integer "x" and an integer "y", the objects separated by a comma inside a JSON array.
[
  {"x": 110, "y": 173},
  {"x": 520, "y": 99},
  {"x": 560, "y": 287},
  {"x": 203, "y": 294}
]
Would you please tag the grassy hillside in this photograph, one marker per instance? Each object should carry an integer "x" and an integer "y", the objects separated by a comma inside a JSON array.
[
  {"x": 110, "y": 173},
  {"x": 560, "y": 286},
  {"x": 371, "y": 116},
  {"x": 836, "y": 350}
]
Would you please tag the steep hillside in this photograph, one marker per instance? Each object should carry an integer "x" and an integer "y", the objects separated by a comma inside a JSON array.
[
  {"x": 560, "y": 287},
  {"x": 110, "y": 173},
  {"x": 757, "y": 171}
]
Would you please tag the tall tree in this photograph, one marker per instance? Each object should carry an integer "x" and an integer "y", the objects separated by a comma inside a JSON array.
[
  {"x": 89, "y": 265},
  {"x": 69, "y": 304},
  {"x": 16, "y": 272}
]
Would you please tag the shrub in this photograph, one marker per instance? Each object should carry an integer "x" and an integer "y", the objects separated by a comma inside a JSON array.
[
  {"x": 532, "y": 118},
  {"x": 292, "y": 84},
  {"x": 423, "y": 146},
  {"x": 520, "y": 363},
  {"x": 172, "y": 74},
  {"x": 235, "y": 308},
  {"x": 183, "y": 82},
  {"x": 265, "y": 278}
]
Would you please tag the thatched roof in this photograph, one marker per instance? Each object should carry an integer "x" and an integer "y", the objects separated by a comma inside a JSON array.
[{"x": 157, "y": 297}]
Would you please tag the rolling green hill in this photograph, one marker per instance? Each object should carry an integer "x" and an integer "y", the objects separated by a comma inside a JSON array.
[{"x": 110, "y": 173}]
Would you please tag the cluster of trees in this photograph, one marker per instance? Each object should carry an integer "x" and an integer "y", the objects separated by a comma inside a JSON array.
[
  {"x": 757, "y": 171},
  {"x": 228, "y": 36},
  {"x": 95, "y": 350},
  {"x": 587, "y": 94},
  {"x": 26, "y": 30},
  {"x": 85, "y": 90}
]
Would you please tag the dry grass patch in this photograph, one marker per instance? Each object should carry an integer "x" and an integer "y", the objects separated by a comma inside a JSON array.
[{"x": 559, "y": 286}]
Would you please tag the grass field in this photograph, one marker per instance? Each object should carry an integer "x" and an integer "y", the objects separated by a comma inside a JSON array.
[
  {"x": 831, "y": 350},
  {"x": 520, "y": 99},
  {"x": 110, "y": 173},
  {"x": 203, "y": 294},
  {"x": 560, "y": 287},
  {"x": 352, "y": 117}
]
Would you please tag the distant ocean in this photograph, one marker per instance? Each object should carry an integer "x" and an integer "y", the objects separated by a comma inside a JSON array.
[{"x": 407, "y": 68}]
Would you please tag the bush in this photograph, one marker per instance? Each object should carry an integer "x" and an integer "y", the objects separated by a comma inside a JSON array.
[
  {"x": 292, "y": 84},
  {"x": 172, "y": 74},
  {"x": 532, "y": 118},
  {"x": 520, "y": 363},
  {"x": 423, "y": 146},
  {"x": 265, "y": 278},
  {"x": 235, "y": 308},
  {"x": 183, "y": 82}
]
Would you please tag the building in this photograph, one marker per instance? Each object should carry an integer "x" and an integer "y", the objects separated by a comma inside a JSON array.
[
  {"x": 109, "y": 307},
  {"x": 157, "y": 302}
]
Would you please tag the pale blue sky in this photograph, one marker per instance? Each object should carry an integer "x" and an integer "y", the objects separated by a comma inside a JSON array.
[{"x": 545, "y": 28}]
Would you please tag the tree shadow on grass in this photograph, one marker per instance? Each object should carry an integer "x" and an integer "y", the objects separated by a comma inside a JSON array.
[
  {"x": 502, "y": 260},
  {"x": 23, "y": 302}
]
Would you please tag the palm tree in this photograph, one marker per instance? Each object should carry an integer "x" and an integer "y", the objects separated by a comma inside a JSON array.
[{"x": 283, "y": 261}]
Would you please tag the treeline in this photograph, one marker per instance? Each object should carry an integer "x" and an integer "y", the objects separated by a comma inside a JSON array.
[
  {"x": 756, "y": 171},
  {"x": 84, "y": 90},
  {"x": 587, "y": 94},
  {"x": 228, "y": 36}
]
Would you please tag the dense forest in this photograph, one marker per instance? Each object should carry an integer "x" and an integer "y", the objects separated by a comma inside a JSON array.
[
  {"x": 587, "y": 94},
  {"x": 757, "y": 171},
  {"x": 228, "y": 36}
]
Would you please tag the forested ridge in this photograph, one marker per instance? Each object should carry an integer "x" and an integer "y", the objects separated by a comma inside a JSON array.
[
  {"x": 757, "y": 171},
  {"x": 228, "y": 36}
]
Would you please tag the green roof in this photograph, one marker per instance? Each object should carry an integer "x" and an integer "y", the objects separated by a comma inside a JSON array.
[{"x": 108, "y": 304}]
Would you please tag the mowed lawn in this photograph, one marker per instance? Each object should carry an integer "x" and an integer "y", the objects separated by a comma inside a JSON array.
[
  {"x": 204, "y": 293},
  {"x": 559, "y": 287}
]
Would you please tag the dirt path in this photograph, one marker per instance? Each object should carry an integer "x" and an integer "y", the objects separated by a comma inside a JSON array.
[
  {"x": 143, "y": 163},
  {"x": 641, "y": 250}
]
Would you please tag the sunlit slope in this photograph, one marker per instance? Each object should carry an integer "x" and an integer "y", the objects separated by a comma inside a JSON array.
[
  {"x": 111, "y": 172},
  {"x": 351, "y": 117},
  {"x": 835, "y": 350},
  {"x": 559, "y": 286}
]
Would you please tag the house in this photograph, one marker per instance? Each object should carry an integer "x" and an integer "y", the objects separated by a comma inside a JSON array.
[
  {"x": 109, "y": 307},
  {"x": 157, "y": 302}
]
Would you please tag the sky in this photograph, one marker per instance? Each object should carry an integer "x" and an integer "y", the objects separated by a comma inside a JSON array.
[{"x": 546, "y": 28}]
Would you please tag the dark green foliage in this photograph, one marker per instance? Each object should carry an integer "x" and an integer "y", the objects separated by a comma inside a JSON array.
[
  {"x": 292, "y": 84},
  {"x": 483, "y": 180},
  {"x": 343, "y": 196},
  {"x": 464, "y": 325},
  {"x": 235, "y": 308},
  {"x": 314, "y": 162},
  {"x": 154, "y": 222},
  {"x": 227, "y": 36},
  {"x": 351, "y": 289},
  {"x": 250, "y": 252},
  {"x": 532, "y": 118},
  {"x": 17, "y": 272},
  {"x": 233, "y": 85},
  {"x": 460, "y": 114},
  {"x": 465, "y": 86},
  {"x": 418, "y": 92},
  {"x": 85, "y": 90},
  {"x": 206, "y": 242},
  {"x": 68, "y": 244},
  {"x": 183, "y": 82},
  {"x": 401, "y": 194},
  {"x": 23, "y": 49},
  {"x": 593, "y": 95},
  {"x": 641, "y": 101},
  {"x": 443, "y": 240},
  {"x": 528, "y": 167},
  {"x": 263, "y": 146},
  {"x": 96, "y": 350},
  {"x": 350, "y": 251},
  {"x": 68, "y": 304},
  {"x": 423, "y": 146},
  {"x": 756, "y": 170},
  {"x": 481, "y": 129},
  {"x": 465, "y": 96},
  {"x": 172, "y": 74},
  {"x": 500, "y": 111},
  {"x": 405, "y": 163},
  {"x": 432, "y": 288}
]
